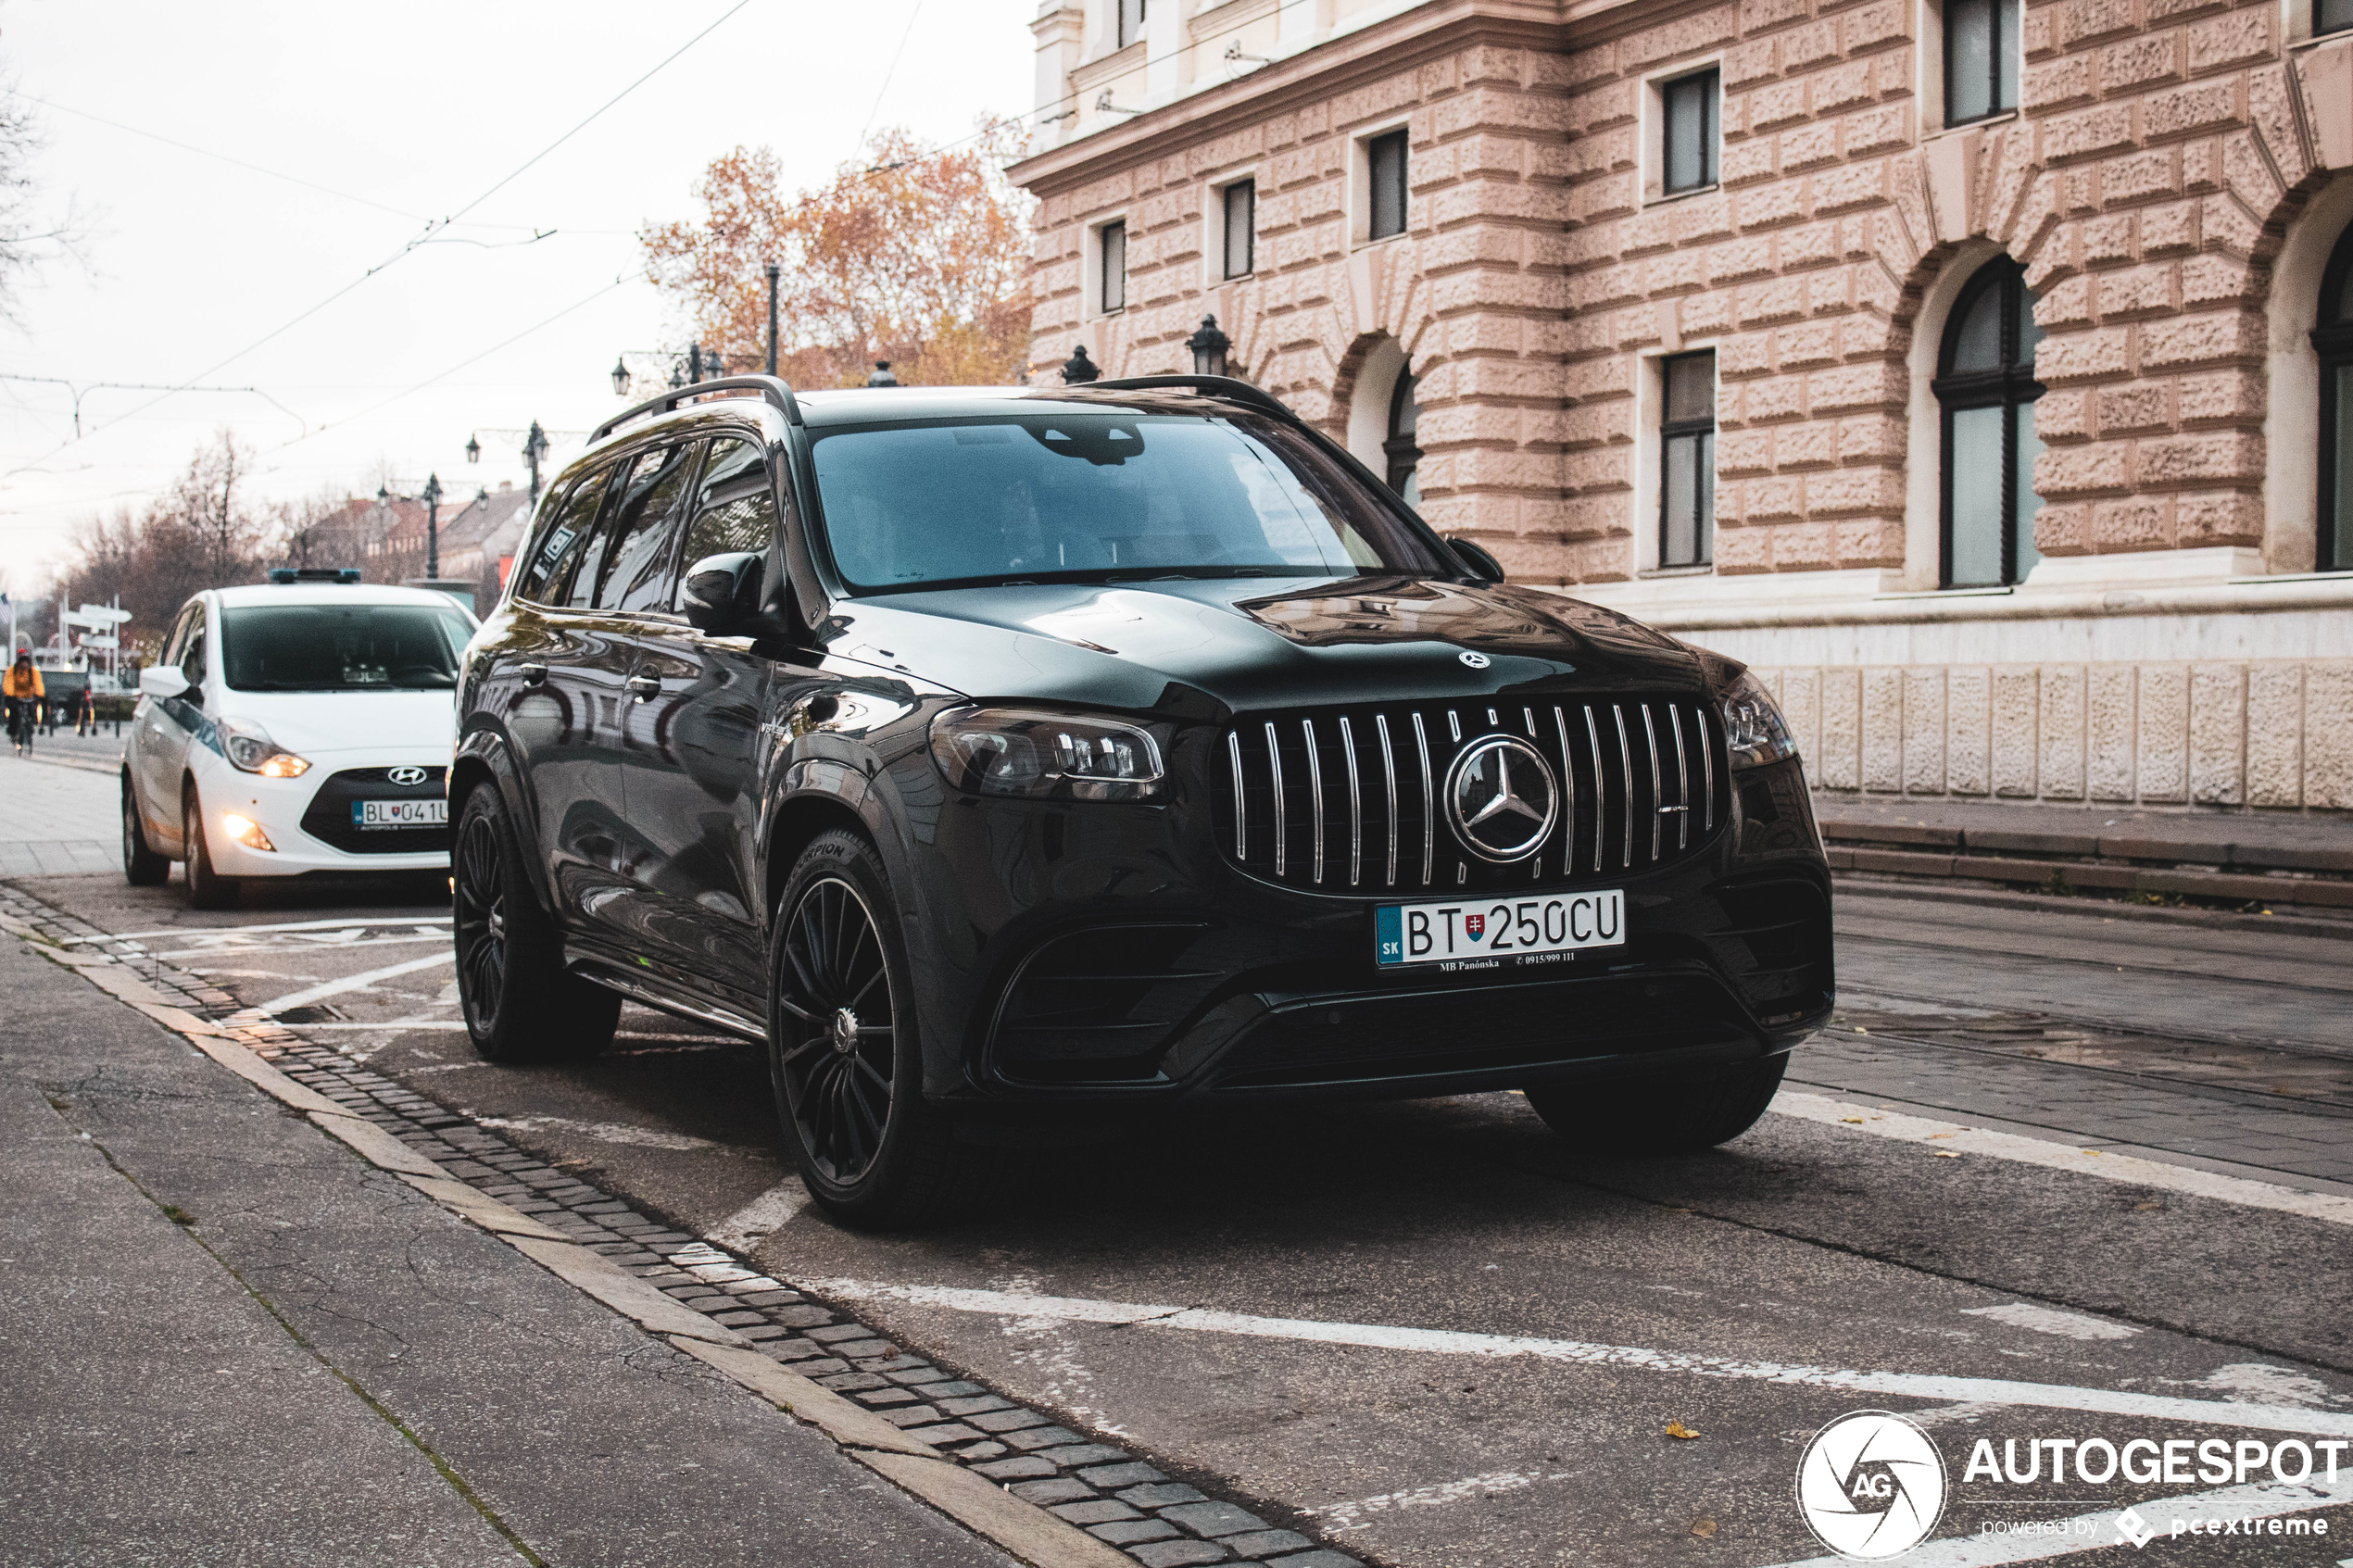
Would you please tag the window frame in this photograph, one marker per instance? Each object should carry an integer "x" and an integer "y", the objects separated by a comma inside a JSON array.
[
  {"x": 1400, "y": 137},
  {"x": 1711, "y": 133},
  {"x": 696, "y": 445},
  {"x": 702, "y": 502},
  {"x": 2320, "y": 26},
  {"x": 1103, "y": 273},
  {"x": 1400, "y": 449},
  {"x": 1127, "y": 18},
  {"x": 1248, "y": 188},
  {"x": 2331, "y": 342},
  {"x": 1670, "y": 431},
  {"x": 2004, "y": 56},
  {"x": 2010, "y": 387}
]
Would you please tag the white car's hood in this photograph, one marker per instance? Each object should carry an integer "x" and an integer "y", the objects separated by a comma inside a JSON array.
[{"x": 415, "y": 726}]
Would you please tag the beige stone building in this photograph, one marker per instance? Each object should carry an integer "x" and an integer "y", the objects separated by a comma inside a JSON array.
[{"x": 1968, "y": 367}]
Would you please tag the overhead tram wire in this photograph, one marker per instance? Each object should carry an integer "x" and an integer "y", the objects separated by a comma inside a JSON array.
[{"x": 431, "y": 228}]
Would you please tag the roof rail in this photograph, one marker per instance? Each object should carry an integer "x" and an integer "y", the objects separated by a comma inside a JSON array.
[
  {"x": 1209, "y": 386},
  {"x": 772, "y": 388}
]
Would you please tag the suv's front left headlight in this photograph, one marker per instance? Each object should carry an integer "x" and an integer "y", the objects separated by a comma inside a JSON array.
[
  {"x": 1045, "y": 755},
  {"x": 1755, "y": 731},
  {"x": 249, "y": 749}
]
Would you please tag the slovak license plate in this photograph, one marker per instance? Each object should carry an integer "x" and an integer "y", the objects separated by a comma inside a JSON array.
[
  {"x": 1494, "y": 932},
  {"x": 399, "y": 814}
]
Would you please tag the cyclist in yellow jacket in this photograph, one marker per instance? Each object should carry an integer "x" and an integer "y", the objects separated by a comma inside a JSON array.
[{"x": 21, "y": 687}]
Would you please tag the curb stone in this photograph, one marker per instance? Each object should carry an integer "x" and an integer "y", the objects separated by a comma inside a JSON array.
[{"x": 662, "y": 1278}]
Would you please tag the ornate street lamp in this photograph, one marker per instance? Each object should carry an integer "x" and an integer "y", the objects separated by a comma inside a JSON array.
[
  {"x": 620, "y": 377},
  {"x": 1209, "y": 347},
  {"x": 433, "y": 525},
  {"x": 473, "y": 450},
  {"x": 881, "y": 376},
  {"x": 534, "y": 451},
  {"x": 1078, "y": 368}
]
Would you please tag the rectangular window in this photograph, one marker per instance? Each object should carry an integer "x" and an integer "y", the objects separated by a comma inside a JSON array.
[
  {"x": 1384, "y": 156},
  {"x": 1687, "y": 481},
  {"x": 2331, "y": 16},
  {"x": 1981, "y": 58},
  {"x": 1242, "y": 226},
  {"x": 1115, "y": 264},
  {"x": 1131, "y": 22},
  {"x": 1691, "y": 132}
]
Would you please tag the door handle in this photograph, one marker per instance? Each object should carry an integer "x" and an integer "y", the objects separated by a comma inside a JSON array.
[
  {"x": 532, "y": 674},
  {"x": 644, "y": 688}
]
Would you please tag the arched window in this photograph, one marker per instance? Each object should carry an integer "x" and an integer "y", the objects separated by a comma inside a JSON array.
[
  {"x": 1403, "y": 455},
  {"x": 1986, "y": 389},
  {"x": 2333, "y": 339}
]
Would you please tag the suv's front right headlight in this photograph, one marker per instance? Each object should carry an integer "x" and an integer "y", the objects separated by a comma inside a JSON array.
[
  {"x": 1755, "y": 731},
  {"x": 1045, "y": 755}
]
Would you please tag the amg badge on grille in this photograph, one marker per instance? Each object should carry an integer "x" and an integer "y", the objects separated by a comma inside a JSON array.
[{"x": 1503, "y": 797}]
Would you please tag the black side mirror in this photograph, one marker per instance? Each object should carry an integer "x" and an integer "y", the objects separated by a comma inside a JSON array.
[
  {"x": 1476, "y": 560},
  {"x": 722, "y": 593}
]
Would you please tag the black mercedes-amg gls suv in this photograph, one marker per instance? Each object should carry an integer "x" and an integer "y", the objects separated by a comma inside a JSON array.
[{"x": 985, "y": 747}]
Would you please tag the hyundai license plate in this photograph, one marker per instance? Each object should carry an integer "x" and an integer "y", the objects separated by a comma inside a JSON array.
[
  {"x": 1496, "y": 932},
  {"x": 399, "y": 814}
]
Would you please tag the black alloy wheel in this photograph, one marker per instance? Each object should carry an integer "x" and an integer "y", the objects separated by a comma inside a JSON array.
[
  {"x": 521, "y": 1004},
  {"x": 842, "y": 1049},
  {"x": 207, "y": 889},
  {"x": 1676, "y": 1113},
  {"x": 141, "y": 867}
]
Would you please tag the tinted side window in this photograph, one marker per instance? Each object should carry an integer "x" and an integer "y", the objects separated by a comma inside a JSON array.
[
  {"x": 640, "y": 572},
  {"x": 542, "y": 577},
  {"x": 177, "y": 644},
  {"x": 737, "y": 508},
  {"x": 192, "y": 659}
]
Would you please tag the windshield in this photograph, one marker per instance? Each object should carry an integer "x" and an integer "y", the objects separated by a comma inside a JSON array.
[
  {"x": 342, "y": 647},
  {"x": 1093, "y": 496}
]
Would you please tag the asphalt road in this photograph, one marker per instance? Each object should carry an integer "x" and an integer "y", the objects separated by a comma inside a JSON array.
[{"x": 1441, "y": 1336}]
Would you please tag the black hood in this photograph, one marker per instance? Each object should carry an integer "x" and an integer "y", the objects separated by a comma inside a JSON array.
[{"x": 1205, "y": 648}]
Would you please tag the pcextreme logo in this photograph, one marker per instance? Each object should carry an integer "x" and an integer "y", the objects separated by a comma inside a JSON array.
[{"x": 1871, "y": 1485}]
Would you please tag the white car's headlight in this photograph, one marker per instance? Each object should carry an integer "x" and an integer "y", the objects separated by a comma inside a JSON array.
[
  {"x": 1754, "y": 729},
  {"x": 1045, "y": 755},
  {"x": 250, "y": 748}
]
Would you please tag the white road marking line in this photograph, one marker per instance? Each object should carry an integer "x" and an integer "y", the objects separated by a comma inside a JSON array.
[
  {"x": 1449, "y": 1342},
  {"x": 243, "y": 950},
  {"x": 2260, "y": 1501},
  {"x": 1345, "y": 1516},
  {"x": 1960, "y": 1138},
  {"x": 2050, "y": 1320},
  {"x": 447, "y": 1025},
  {"x": 351, "y": 983},
  {"x": 603, "y": 1132},
  {"x": 762, "y": 1218},
  {"x": 223, "y": 930}
]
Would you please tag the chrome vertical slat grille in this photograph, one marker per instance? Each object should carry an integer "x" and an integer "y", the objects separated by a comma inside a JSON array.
[{"x": 1616, "y": 761}]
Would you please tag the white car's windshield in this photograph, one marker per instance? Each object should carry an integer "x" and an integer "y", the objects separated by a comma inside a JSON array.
[
  {"x": 1086, "y": 496},
  {"x": 358, "y": 647}
]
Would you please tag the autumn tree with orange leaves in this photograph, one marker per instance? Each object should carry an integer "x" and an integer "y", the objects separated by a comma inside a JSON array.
[{"x": 913, "y": 254}]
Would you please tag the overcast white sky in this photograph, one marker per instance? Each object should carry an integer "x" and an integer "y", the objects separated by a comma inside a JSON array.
[{"x": 418, "y": 107}]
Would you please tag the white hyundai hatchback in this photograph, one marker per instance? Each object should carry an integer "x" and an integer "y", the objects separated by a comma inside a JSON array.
[{"x": 297, "y": 728}]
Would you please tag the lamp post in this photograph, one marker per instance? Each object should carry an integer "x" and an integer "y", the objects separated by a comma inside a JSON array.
[
  {"x": 1209, "y": 347},
  {"x": 1078, "y": 368},
  {"x": 433, "y": 525},
  {"x": 620, "y": 377},
  {"x": 535, "y": 450},
  {"x": 473, "y": 450},
  {"x": 774, "y": 271}
]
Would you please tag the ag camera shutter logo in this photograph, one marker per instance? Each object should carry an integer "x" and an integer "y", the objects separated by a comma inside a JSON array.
[{"x": 1871, "y": 1485}]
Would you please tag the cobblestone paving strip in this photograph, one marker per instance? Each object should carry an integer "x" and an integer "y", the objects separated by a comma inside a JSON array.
[{"x": 1099, "y": 1488}]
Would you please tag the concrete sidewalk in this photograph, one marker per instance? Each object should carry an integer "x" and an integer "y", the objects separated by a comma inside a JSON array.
[
  {"x": 2281, "y": 858},
  {"x": 230, "y": 1340}
]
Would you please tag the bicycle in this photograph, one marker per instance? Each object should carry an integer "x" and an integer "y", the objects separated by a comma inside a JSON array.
[{"x": 21, "y": 722}]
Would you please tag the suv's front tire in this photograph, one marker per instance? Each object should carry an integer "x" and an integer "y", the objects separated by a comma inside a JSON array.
[
  {"x": 1679, "y": 1113},
  {"x": 520, "y": 1002},
  {"x": 843, "y": 1054},
  {"x": 207, "y": 889}
]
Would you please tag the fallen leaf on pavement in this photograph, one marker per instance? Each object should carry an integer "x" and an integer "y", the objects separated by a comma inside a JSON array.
[
  {"x": 1676, "y": 1429},
  {"x": 1703, "y": 1528},
  {"x": 1857, "y": 1120},
  {"x": 1947, "y": 1154}
]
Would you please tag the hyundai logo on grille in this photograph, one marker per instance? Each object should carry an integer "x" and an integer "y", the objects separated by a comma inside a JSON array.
[
  {"x": 1503, "y": 797},
  {"x": 406, "y": 776}
]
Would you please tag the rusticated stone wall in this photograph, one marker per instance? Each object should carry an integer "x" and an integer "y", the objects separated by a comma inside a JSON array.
[{"x": 2266, "y": 732}]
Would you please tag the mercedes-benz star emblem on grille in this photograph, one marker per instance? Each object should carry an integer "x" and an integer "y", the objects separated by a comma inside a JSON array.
[
  {"x": 1475, "y": 660},
  {"x": 406, "y": 776},
  {"x": 1503, "y": 797}
]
